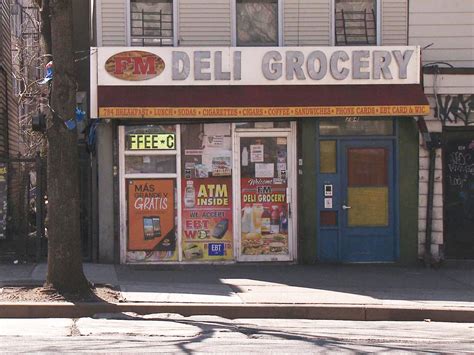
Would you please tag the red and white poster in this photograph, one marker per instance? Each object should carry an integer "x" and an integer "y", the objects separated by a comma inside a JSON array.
[
  {"x": 264, "y": 221},
  {"x": 207, "y": 219}
]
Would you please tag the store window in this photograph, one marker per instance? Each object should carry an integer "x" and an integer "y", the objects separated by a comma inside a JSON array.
[
  {"x": 257, "y": 22},
  {"x": 151, "y": 23},
  {"x": 206, "y": 185},
  {"x": 149, "y": 176},
  {"x": 263, "y": 125},
  {"x": 355, "y": 126},
  {"x": 355, "y": 22},
  {"x": 264, "y": 196}
]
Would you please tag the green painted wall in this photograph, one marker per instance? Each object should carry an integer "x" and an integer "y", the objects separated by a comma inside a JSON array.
[
  {"x": 408, "y": 184},
  {"x": 408, "y": 187},
  {"x": 307, "y": 194}
]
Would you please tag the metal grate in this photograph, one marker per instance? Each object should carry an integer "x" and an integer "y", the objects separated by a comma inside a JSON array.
[
  {"x": 356, "y": 28},
  {"x": 152, "y": 28}
]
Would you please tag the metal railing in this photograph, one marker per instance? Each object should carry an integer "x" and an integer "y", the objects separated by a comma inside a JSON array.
[{"x": 356, "y": 28}]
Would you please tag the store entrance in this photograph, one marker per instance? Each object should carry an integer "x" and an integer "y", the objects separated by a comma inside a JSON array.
[
  {"x": 367, "y": 187},
  {"x": 264, "y": 215},
  {"x": 357, "y": 187},
  {"x": 357, "y": 220}
]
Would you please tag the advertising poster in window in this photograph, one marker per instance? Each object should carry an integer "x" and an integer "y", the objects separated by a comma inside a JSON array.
[
  {"x": 264, "y": 222},
  {"x": 207, "y": 219},
  {"x": 151, "y": 219},
  {"x": 207, "y": 192}
]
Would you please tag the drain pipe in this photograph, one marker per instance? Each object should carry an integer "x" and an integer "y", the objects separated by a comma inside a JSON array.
[
  {"x": 429, "y": 206},
  {"x": 432, "y": 141}
]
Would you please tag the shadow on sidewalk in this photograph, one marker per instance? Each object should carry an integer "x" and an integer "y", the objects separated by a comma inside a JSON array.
[
  {"x": 302, "y": 282},
  {"x": 207, "y": 329}
]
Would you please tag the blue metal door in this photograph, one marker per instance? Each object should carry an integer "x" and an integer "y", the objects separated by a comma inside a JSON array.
[{"x": 367, "y": 225}]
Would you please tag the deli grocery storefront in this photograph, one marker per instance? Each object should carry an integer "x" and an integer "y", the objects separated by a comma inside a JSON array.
[{"x": 259, "y": 154}]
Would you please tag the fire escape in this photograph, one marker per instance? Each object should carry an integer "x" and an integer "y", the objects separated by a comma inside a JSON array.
[
  {"x": 27, "y": 63},
  {"x": 356, "y": 28},
  {"x": 152, "y": 28}
]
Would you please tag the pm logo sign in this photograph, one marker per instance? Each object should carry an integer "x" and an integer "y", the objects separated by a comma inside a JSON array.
[{"x": 134, "y": 65}]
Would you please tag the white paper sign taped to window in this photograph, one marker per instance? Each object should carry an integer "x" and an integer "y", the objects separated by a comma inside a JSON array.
[
  {"x": 265, "y": 170},
  {"x": 256, "y": 153}
]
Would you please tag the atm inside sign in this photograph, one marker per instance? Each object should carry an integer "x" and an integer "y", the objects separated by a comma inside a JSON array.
[{"x": 151, "y": 141}]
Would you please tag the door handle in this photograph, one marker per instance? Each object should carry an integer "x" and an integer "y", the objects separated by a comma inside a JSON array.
[{"x": 344, "y": 207}]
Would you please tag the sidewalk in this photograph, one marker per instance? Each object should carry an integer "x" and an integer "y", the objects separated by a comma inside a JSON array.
[{"x": 333, "y": 291}]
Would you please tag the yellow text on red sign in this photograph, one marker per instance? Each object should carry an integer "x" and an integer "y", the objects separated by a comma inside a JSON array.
[{"x": 239, "y": 112}]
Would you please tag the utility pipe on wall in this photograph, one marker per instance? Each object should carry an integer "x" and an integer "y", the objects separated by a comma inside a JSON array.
[
  {"x": 431, "y": 141},
  {"x": 429, "y": 207}
]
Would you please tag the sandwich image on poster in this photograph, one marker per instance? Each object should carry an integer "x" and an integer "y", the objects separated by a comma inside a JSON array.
[{"x": 193, "y": 251}]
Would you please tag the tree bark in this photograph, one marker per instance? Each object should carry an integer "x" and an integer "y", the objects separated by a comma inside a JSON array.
[{"x": 64, "y": 240}]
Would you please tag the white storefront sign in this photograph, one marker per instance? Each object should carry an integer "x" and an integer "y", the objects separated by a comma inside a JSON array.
[{"x": 186, "y": 66}]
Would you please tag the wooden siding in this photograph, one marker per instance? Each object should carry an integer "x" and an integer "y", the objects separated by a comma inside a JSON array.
[
  {"x": 394, "y": 22},
  {"x": 204, "y": 23},
  {"x": 449, "y": 84},
  {"x": 307, "y": 23},
  {"x": 112, "y": 22},
  {"x": 8, "y": 103},
  {"x": 9, "y": 125},
  {"x": 448, "y": 26},
  {"x": 5, "y": 69}
]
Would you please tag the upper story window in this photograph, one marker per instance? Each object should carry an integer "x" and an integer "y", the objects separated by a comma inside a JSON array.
[
  {"x": 355, "y": 22},
  {"x": 257, "y": 22},
  {"x": 151, "y": 22}
]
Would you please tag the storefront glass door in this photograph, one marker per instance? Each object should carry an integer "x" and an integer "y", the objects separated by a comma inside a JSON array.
[{"x": 264, "y": 213}]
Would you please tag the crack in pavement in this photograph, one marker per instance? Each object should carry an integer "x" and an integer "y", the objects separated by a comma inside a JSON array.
[{"x": 75, "y": 332}]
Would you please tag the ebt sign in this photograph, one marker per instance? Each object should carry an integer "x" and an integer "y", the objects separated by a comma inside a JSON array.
[{"x": 259, "y": 66}]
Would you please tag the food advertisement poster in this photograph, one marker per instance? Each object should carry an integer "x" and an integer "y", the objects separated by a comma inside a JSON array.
[
  {"x": 264, "y": 222},
  {"x": 151, "y": 216},
  {"x": 207, "y": 219}
]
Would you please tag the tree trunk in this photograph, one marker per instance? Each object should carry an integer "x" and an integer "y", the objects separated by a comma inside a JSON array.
[
  {"x": 45, "y": 29},
  {"x": 64, "y": 241}
]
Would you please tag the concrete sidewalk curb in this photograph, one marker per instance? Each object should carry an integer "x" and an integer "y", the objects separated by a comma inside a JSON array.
[{"x": 232, "y": 311}]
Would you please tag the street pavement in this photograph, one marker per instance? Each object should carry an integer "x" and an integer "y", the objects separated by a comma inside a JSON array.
[
  {"x": 171, "y": 333},
  {"x": 280, "y": 285}
]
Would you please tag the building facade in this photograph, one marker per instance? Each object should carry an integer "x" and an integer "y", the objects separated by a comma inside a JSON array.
[
  {"x": 248, "y": 131},
  {"x": 447, "y": 36},
  {"x": 9, "y": 138}
]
